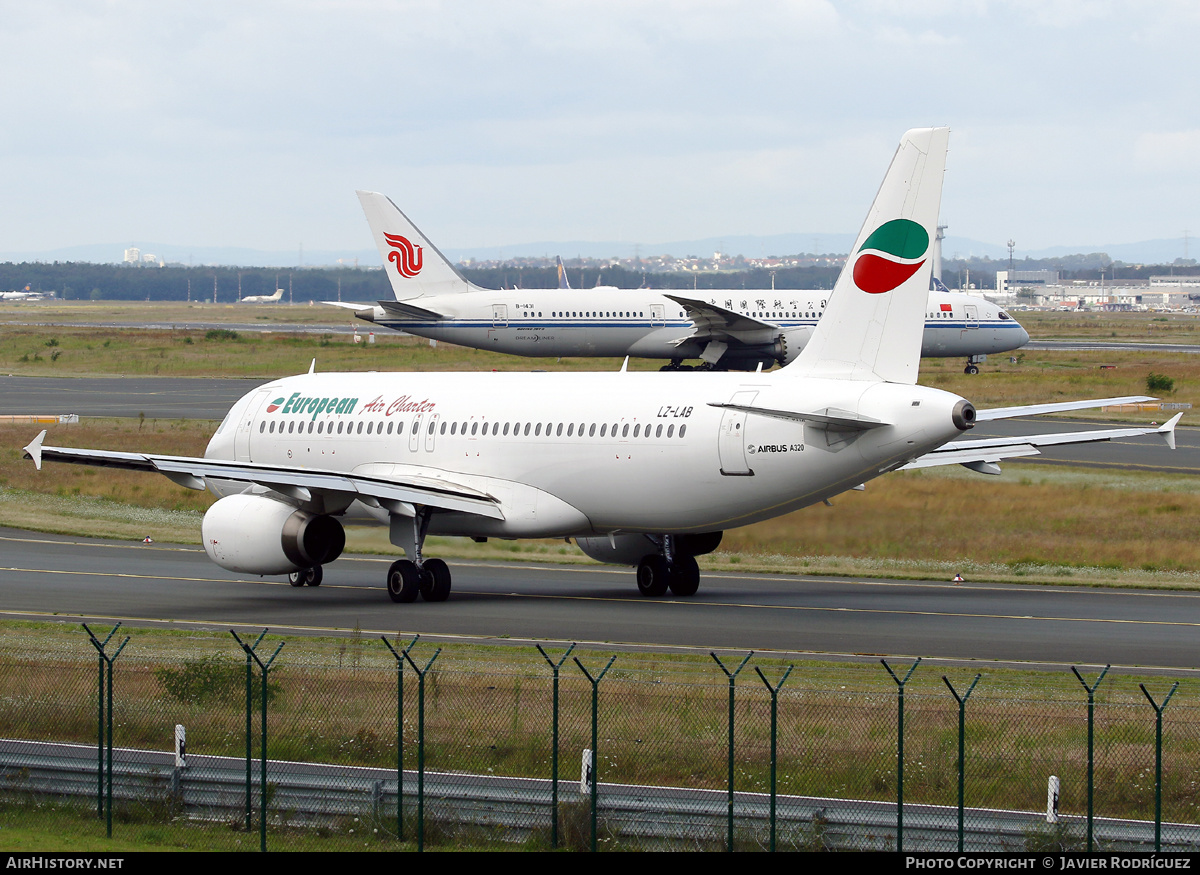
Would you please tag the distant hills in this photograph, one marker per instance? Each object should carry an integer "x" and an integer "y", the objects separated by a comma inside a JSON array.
[{"x": 1144, "y": 252}]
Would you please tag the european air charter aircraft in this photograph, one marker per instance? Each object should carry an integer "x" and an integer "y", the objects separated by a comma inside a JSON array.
[
  {"x": 726, "y": 329},
  {"x": 639, "y": 469}
]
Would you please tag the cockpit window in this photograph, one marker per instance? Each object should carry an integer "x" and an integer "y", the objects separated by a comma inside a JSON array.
[{"x": 1004, "y": 315}]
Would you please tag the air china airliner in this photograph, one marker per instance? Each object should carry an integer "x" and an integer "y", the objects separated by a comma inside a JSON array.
[
  {"x": 640, "y": 469},
  {"x": 725, "y": 329}
]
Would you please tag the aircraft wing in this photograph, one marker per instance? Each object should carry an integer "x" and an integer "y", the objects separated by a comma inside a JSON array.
[
  {"x": 982, "y": 454},
  {"x": 713, "y": 322},
  {"x": 302, "y": 484}
]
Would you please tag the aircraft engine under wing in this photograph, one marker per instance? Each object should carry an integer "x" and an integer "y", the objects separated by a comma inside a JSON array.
[{"x": 309, "y": 486}]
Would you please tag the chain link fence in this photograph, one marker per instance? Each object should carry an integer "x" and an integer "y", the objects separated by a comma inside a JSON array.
[{"x": 475, "y": 762}]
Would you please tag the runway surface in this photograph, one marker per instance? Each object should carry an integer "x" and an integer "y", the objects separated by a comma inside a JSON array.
[
  {"x": 210, "y": 398},
  {"x": 51, "y": 577},
  {"x": 1111, "y": 345}
]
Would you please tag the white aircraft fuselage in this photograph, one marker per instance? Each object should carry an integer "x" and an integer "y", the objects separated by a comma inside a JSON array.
[
  {"x": 620, "y": 452},
  {"x": 646, "y": 324}
]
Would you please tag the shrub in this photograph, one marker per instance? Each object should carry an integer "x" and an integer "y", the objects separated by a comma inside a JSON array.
[
  {"x": 1159, "y": 383},
  {"x": 216, "y": 678}
]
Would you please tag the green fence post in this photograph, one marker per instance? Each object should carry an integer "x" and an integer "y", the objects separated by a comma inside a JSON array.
[
  {"x": 1091, "y": 691},
  {"x": 900, "y": 749},
  {"x": 1158, "y": 712},
  {"x": 421, "y": 672},
  {"x": 104, "y": 775},
  {"x": 595, "y": 764},
  {"x": 262, "y": 753},
  {"x": 729, "y": 779},
  {"x": 249, "y": 725},
  {"x": 962, "y": 717},
  {"x": 554, "y": 667},
  {"x": 399, "y": 730},
  {"x": 774, "y": 737}
]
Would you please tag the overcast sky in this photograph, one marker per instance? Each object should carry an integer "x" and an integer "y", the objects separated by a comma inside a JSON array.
[{"x": 493, "y": 123}]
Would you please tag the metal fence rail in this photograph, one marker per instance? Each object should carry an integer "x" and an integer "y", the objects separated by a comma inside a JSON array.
[{"x": 314, "y": 794}]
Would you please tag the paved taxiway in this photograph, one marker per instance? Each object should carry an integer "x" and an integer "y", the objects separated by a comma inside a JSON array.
[{"x": 46, "y": 576}]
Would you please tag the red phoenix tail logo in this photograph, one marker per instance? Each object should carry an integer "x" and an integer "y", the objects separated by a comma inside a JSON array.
[{"x": 407, "y": 257}]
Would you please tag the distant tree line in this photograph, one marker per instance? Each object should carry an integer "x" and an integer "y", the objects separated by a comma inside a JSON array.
[{"x": 79, "y": 281}]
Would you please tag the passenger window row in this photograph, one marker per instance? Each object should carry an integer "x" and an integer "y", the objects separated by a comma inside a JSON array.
[{"x": 494, "y": 429}]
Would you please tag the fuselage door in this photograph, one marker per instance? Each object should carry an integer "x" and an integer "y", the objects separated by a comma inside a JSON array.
[
  {"x": 658, "y": 315},
  {"x": 731, "y": 441},
  {"x": 972, "y": 315},
  {"x": 499, "y": 315},
  {"x": 245, "y": 425}
]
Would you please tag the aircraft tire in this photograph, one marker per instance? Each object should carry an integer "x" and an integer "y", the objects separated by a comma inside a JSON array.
[
  {"x": 306, "y": 577},
  {"x": 435, "y": 581},
  {"x": 971, "y": 369},
  {"x": 403, "y": 581},
  {"x": 653, "y": 576},
  {"x": 685, "y": 576}
]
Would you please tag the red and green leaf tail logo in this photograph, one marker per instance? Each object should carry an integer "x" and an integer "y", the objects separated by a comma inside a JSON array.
[
  {"x": 899, "y": 248},
  {"x": 275, "y": 405}
]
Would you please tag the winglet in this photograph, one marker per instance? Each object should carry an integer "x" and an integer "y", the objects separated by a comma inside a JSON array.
[
  {"x": 34, "y": 450},
  {"x": 1167, "y": 430}
]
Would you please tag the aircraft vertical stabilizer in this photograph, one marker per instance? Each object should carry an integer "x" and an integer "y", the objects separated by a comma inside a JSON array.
[
  {"x": 414, "y": 266},
  {"x": 873, "y": 324}
]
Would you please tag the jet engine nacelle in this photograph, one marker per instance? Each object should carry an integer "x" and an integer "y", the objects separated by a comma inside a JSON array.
[
  {"x": 254, "y": 534},
  {"x": 621, "y": 550},
  {"x": 790, "y": 342},
  {"x": 630, "y": 549}
]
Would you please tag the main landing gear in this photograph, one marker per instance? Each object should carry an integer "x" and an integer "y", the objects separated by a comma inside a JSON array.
[
  {"x": 671, "y": 569},
  {"x": 306, "y": 576},
  {"x": 408, "y": 578}
]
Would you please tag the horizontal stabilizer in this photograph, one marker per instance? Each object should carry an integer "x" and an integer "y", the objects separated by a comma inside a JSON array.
[
  {"x": 992, "y": 450},
  {"x": 1056, "y": 407},
  {"x": 831, "y": 417},
  {"x": 349, "y": 305},
  {"x": 401, "y": 310}
]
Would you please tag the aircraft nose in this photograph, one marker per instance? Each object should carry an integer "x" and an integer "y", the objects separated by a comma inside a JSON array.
[{"x": 1024, "y": 336}]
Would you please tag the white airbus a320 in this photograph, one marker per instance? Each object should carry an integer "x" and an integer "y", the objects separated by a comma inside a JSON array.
[{"x": 642, "y": 469}]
